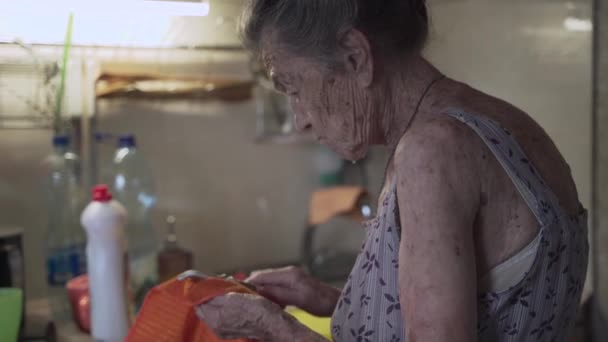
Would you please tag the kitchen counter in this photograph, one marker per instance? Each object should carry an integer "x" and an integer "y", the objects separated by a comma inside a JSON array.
[{"x": 38, "y": 318}]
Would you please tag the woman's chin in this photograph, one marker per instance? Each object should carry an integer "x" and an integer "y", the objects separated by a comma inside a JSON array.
[
  {"x": 358, "y": 155},
  {"x": 351, "y": 153}
]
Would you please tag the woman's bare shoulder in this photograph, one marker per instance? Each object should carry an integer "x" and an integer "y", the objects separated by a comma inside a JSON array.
[{"x": 440, "y": 134}]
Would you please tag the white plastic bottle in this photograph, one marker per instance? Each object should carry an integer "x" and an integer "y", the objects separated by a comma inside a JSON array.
[{"x": 104, "y": 221}]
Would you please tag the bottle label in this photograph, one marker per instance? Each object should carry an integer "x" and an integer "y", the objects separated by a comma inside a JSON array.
[
  {"x": 77, "y": 260},
  {"x": 58, "y": 270}
]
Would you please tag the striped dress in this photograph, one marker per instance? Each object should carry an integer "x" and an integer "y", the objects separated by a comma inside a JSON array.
[{"x": 539, "y": 305}]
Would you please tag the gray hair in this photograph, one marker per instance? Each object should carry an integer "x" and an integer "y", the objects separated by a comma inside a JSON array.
[{"x": 314, "y": 27}]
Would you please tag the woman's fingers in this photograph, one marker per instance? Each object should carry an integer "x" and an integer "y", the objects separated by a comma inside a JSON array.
[
  {"x": 287, "y": 275},
  {"x": 280, "y": 285},
  {"x": 282, "y": 296},
  {"x": 236, "y": 315},
  {"x": 210, "y": 315}
]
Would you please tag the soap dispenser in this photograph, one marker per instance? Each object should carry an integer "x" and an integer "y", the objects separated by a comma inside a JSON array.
[{"x": 173, "y": 259}]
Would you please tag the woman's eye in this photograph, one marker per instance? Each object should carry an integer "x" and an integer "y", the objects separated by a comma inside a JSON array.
[
  {"x": 286, "y": 88},
  {"x": 280, "y": 87},
  {"x": 283, "y": 84},
  {"x": 291, "y": 91}
]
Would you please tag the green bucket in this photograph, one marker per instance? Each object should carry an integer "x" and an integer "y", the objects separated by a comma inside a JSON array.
[{"x": 11, "y": 307}]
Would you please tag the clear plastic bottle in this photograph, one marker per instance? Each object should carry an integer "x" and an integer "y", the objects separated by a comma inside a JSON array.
[
  {"x": 132, "y": 185},
  {"x": 105, "y": 146},
  {"x": 65, "y": 241}
]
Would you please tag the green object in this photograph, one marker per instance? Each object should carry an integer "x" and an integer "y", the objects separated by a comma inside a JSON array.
[
  {"x": 64, "y": 66},
  {"x": 11, "y": 307},
  {"x": 320, "y": 325},
  {"x": 331, "y": 179}
]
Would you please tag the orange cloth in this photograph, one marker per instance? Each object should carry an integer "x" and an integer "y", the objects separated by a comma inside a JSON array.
[
  {"x": 326, "y": 204},
  {"x": 168, "y": 313}
]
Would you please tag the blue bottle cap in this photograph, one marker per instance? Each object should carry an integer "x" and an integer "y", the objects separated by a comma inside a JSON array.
[
  {"x": 127, "y": 141},
  {"x": 101, "y": 137},
  {"x": 61, "y": 140}
]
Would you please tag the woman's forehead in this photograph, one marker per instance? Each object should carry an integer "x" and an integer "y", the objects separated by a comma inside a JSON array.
[
  {"x": 268, "y": 59},
  {"x": 278, "y": 63},
  {"x": 274, "y": 54}
]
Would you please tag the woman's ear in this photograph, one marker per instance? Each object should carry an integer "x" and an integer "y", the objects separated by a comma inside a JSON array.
[{"x": 358, "y": 59}]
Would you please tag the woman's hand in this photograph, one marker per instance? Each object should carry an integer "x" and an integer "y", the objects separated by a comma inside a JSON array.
[
  {"x": 237, "y": 315},
  {"x": 293, "y": 286}
]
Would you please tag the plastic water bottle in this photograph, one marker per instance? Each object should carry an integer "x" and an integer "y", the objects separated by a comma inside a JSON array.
[
  {"x": 105, "y": 145},
  {"x": 65, "y": 240},
  {"x": 104, "y": 221},
  {"x": 133, "y": 186}
]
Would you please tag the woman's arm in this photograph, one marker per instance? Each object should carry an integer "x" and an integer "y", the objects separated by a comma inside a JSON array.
[
  {"x": 292, "y": 286},
  {"x": 438, "y": 193},
  {"x": 237, "y": 315}
]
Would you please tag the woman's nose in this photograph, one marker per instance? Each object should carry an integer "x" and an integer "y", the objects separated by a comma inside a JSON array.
[
  {"x": 300, "y": 117},
  {"x": 300, "y": 123}
]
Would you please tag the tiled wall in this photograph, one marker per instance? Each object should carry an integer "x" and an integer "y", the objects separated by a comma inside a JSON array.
[{"x": 238, "y": 204}]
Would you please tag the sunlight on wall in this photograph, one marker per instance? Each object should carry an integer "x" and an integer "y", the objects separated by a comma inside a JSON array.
[{"x": 144, "y": 23}]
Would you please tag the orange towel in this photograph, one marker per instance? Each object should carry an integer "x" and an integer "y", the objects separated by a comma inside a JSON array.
[
  {"x": 168, "y": 313},
  {"x": 328, "y": 203}
]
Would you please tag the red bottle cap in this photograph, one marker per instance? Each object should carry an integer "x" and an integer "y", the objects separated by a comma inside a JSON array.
[{"x": 101, "y": 193}]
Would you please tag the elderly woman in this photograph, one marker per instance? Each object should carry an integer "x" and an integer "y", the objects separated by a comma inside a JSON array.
[{"x": 479, "y": 233}]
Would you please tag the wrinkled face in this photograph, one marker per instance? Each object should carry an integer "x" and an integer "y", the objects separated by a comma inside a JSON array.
[{"x": 329, "y": 102}]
